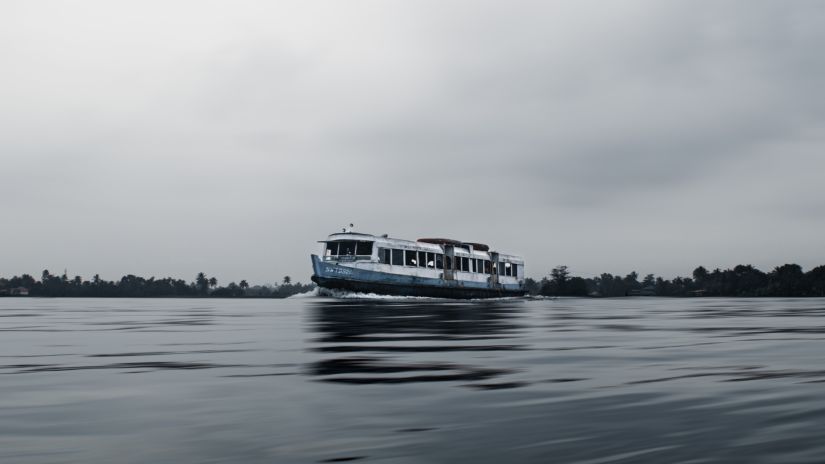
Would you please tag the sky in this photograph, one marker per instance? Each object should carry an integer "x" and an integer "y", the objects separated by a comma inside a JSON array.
[{"x": 166, "y": 138}]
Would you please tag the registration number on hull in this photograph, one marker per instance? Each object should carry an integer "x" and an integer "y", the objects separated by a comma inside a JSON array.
[{"x": 337, "y": 270}]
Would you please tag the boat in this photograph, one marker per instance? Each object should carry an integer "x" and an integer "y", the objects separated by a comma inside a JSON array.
[{"x": 428, "y": 267}]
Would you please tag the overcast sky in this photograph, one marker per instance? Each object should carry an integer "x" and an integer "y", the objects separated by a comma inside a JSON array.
[{"x": 171, "y": 137}]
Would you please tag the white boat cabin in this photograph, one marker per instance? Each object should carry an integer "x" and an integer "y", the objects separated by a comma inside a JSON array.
[{"x": 428, "y": 258}]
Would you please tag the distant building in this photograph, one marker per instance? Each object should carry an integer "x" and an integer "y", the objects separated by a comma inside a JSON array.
[
  {"x": 19, "y": 291},
  {"x": 649, "y": 291},
  {"x": 646, "y": 291}
]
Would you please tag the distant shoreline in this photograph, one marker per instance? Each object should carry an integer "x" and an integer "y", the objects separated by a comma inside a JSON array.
[
  {"x": 742, "y": 281},
  {"x": 3, "y": 296},
  {"x": 165, "y": 297},
  {"x": 131, "y": 286}
]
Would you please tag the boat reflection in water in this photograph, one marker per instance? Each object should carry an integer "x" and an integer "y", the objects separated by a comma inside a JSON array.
[{"x": 385, "y": 342}]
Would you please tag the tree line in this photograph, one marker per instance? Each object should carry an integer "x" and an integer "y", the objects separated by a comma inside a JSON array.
[
  {"x": 788, "y": 280},
  {"x": 138, "y": 287}
]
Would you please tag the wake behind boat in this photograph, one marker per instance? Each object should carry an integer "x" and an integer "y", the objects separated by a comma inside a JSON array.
[{"x": 431, "y": 267}]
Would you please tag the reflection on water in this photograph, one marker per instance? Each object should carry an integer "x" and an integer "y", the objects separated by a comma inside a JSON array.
[
  {"x": 378, "y": 332},
  {"x": 412, "y": 381}
]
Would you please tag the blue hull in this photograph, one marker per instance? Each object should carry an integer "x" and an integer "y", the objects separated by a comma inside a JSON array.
[{"x": 333, "y": 276}]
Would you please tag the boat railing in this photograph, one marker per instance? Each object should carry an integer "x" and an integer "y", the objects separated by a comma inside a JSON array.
[{"x": 347, "y": 258}]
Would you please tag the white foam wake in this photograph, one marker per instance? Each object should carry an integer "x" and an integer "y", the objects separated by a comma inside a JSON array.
[
  {"x": 310, "y": 294},
  {"x": 347, "y": 295}
]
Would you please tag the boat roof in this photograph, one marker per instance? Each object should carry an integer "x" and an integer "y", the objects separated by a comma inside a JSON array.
[
  {"x": 449, "y": 241},
  {"x": 426, "y": 244}
]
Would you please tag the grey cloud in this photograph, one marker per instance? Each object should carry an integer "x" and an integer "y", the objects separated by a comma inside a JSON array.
[
  {"x": 645, "y": 94},
  {"x": 228, "y": 138}
]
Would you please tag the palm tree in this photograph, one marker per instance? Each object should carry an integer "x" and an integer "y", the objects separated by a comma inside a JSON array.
[
  {"x": 213, "y": 282},
  {"x": 201, "y": 282},
  {"x": 244, "y": 285},
  {"x": 287, "y": 280}
]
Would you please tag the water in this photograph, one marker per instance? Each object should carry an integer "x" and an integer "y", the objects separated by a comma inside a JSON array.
[{"x": 320, "y": 380}]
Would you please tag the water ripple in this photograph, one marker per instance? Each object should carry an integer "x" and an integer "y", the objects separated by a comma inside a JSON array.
[{"x": 311, "y": 380}]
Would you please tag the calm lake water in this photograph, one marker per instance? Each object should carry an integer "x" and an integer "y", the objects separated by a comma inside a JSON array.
[{"x": 412, "y": 381}]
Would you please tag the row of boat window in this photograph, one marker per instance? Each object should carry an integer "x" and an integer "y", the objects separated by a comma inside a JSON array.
[
  {"x": 412, "y": 258},
  {"x": 349, "y": 248}
]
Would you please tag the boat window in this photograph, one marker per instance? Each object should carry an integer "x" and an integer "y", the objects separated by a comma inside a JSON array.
[
  {"x": 465, "y": 264},
  {"x": 474, "y": 263},
  {"x": 332, "y": 248},
  {"x": 480, "y": 265},
  {"x": 422, "y": 259},
  {"x": 488, "y": 269},
  {"x": 508, "y": 270},
  {"x": 431, "y": 260},
  {"x": 439, "y": 261},
  {"x": 364, "y": 249},
  {"x": 384, "y": 255},
  {"x": 515, "y": 270},
  {"x": 346, "y": 248},
  {"x": 458, "y": 263},
  {"x": 500, "y": 268},
  {"x": 398, "y": 257},
  {"x": 412, "y": 258},
  {"x": 449, "y": 262}
]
